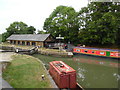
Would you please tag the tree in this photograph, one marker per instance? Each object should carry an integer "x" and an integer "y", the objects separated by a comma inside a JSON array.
[
  {"x": 101, "y": 26},
  {"x": 63, "y": 21},
  {"x": 18, "y": 28},
  {"x": 30, "y": 30},
  {"x": 41, "y": 32},
  {"x": 5, "y": 36}
]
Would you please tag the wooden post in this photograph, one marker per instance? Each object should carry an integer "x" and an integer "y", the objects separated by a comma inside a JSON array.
[
  {"x": 20, "y": 42},
  {"x": 42, "y": 44},
  {"x": 16, "y": 42},
  {"x": 30, "y": 43},
  {"x": 25, "y": 42}
]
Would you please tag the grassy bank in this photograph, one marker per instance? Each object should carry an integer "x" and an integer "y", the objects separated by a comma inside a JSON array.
[{"x": 25, "y": 72}]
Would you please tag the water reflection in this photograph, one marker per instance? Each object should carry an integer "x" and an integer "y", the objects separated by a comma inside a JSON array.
[
  {"x": 98, "y": 62},
  {"x": 81, "y": 73},
  {"x": 117, "y": 76},
  {"x": 95, "y": 72}
]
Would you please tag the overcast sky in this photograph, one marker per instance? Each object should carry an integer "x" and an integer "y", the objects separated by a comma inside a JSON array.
[{"x": 32, "y": 12}]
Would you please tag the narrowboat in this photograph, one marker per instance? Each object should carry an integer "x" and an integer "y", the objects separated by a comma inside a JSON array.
[
  {"x": 63, "y": 75},
  {"x": 97, "y": 52}
]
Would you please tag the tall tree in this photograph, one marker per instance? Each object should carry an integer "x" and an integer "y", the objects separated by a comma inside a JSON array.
[
  {"x": 63, "y": 21},
  {"x": 5, "y": 35},
  {"x": 101, "y": 26},
  {"x": 18, "y": 28},
  {"x": 30, "y": 30},
  {"x": 41, "y": 32}
]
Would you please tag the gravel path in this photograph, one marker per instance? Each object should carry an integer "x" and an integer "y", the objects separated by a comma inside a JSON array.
[{"x": 6, "y": 56}]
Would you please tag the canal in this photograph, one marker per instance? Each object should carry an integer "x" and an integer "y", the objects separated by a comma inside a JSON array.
[{"x": 92, "y": 72}]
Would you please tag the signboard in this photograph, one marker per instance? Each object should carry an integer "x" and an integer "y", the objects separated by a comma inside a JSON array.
[
  {"x": 59, "y": 37},
  {"x": 102, "y": 53}
]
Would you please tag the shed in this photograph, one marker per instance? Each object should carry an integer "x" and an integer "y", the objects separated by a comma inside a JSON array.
[{"x": 31, "y": 39}]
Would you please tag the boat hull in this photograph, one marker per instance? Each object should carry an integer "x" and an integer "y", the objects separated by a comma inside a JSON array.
[{"x": 97, "y": 52}]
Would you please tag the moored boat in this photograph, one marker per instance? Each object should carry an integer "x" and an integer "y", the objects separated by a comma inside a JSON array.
[
  {"x": 97, "y": 52},
  {"x": 64, "y": 76}
]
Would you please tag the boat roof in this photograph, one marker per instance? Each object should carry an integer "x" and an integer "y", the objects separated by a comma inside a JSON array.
[
  {"x": 98, "y": 49},
  {"x": 62, "y": 67}
]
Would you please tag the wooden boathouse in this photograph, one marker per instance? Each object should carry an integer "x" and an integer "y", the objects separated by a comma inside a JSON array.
[{"x": 31, "y": 39}]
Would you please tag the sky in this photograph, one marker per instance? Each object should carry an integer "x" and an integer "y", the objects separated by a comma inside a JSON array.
[{"x": 32, "y": 12}]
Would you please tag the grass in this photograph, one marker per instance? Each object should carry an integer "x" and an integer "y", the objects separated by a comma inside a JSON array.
[{"x": 25, "y": 72}]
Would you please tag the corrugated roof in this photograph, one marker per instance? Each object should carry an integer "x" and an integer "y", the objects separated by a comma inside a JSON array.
[{"x": 29, "y": 37}]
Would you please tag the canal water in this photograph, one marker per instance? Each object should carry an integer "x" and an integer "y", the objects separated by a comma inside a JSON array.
[{"x": 92, "y": 72}]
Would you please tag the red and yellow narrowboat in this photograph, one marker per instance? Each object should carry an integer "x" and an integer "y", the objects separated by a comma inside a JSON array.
[{"x": 97, "y": 52}]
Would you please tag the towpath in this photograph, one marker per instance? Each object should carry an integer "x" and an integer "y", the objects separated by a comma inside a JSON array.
[{"x": 4, "y": 57}]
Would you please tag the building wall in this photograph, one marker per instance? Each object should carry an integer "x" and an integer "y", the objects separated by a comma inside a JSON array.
[
  {"x": 40, "y": 44},
  {"x": 50, "y": 39},
  {"x": 30, "y": 43}
]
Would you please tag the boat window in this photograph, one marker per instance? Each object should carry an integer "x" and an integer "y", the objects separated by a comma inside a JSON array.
[
  {"x": 101, "y": 52},
  {"x": 92, "y": 51},
  {"x": 85, "y": 51},
  {"x": 78, "y": 50}
]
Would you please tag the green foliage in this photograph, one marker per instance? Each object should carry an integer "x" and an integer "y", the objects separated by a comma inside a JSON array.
[
  {"x": 30, "y": 30},
  {"x": 63, "y": 21},
  {"x": 99, "y": 23},
  {"x": 41, "y": 32},
  {"x": 18, "y": 28},
  {"x": 96, "y": 24},
  {"x": 4, "y": 36}
]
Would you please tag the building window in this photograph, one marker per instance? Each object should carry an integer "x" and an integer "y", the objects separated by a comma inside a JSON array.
[
  {"x": 23, "y": 43},
  {"x": 14, "y": 42},
  {"x": 78, "y": 50},
  {"x": 28, "y": 43},
  {"x": 11, "y": 42},
  {"x": 33, "y": 43},
  {"x": 18, "y": 42}
]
